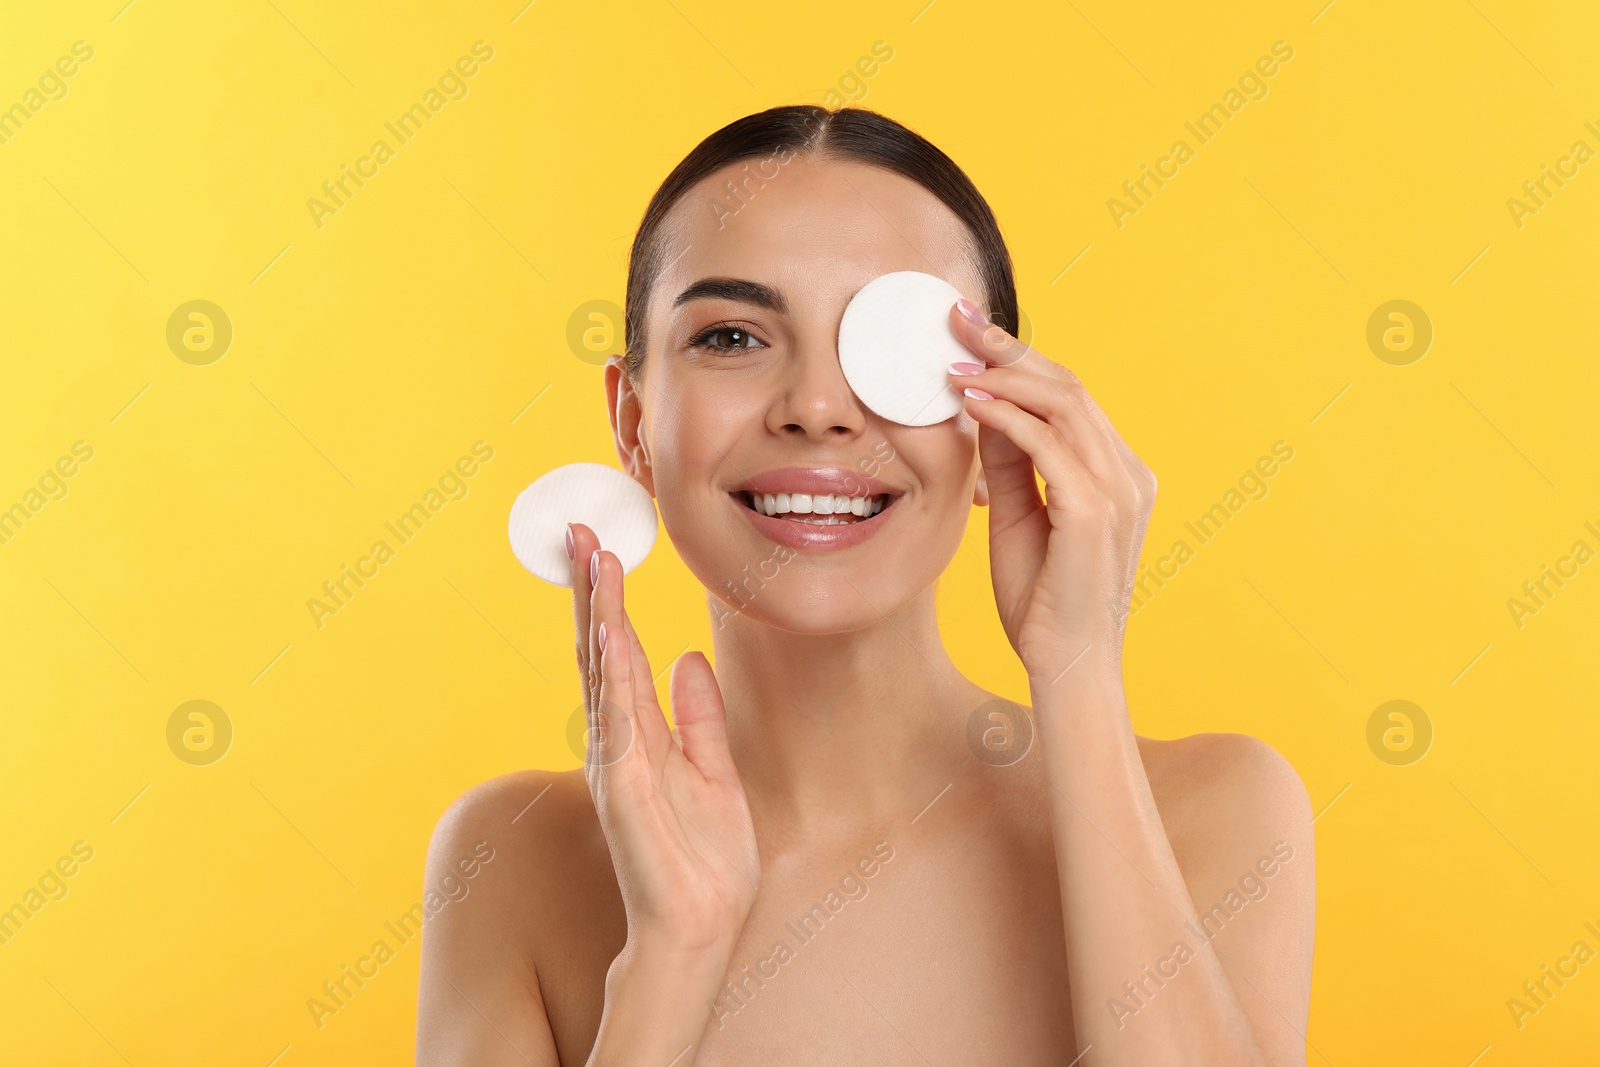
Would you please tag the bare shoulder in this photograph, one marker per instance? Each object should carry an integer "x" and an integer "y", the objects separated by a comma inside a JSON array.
[
  {"x": 543, "y": 830},
  {"x": 514, "y": 863},
  {"x": 1232, "y": 777},
  {"x": 1222, "y": 795},
  {"x": 1238, "y": 819},
  {"x": 507, "y": 807}
]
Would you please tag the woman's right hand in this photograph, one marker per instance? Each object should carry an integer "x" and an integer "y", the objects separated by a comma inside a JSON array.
[{"x": 673, "y": 810}]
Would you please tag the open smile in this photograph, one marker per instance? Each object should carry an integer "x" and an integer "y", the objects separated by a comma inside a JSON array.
[{"x": 816, "y": 508}]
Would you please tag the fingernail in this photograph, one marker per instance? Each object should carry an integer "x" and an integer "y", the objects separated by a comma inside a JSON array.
[
  {"x": 970, "y": 311},
  {"x": 978, "y": 394},
  {"x": 571, "y": 549},
  {"x": 966, "y": 368},
  {"x": 602, "y": 637},
  {"x": 594, "y": 567}
]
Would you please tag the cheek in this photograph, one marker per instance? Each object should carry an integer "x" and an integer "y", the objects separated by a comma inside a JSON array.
[
  {"x": 693, "y": 443},
  {"x": 945, "y": 468},
  {"x": 942, "y": 460},
  {"x": 964, "y": 454}
]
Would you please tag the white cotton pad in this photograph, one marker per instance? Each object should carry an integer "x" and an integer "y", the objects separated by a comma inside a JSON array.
[
  {"x": 896, "y": 347},
  {"x": 607, "y": 500}
]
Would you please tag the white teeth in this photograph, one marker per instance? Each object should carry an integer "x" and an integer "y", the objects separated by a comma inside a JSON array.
[{"x": 816, "y": 504}]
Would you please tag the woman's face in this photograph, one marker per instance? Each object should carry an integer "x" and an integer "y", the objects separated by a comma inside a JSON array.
[{"x": 741, "y": 389}]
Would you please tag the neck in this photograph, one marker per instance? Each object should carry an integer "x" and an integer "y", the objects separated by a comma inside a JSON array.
[{"x": 836, "y": 734}]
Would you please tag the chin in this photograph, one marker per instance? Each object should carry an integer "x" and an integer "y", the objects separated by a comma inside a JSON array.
[{"x": 785, "y": 613}]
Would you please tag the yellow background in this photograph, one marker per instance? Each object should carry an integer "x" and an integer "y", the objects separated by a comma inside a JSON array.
[{"x": 369, "y": 354}]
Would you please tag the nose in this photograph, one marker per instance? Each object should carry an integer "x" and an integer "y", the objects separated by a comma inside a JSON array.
[{"x": 813, "y": 399}]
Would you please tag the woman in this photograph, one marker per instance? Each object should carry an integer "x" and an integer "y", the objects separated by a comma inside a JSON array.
[{"x": 846, "y": 852}]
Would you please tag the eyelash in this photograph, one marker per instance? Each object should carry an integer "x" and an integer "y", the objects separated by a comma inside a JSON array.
[{"x": 700, "y": 339}]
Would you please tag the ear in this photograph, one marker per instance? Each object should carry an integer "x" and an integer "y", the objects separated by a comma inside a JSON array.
[
  {"x": 626, "y": 409},
  {"x": 980, "y": 492}
]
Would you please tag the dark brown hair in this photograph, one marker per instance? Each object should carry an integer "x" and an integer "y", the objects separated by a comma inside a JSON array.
[{"x": 850, "y": 133}]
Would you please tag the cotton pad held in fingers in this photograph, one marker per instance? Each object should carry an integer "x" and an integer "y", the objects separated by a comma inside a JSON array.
[
  {"x": 896, "y": 347},
  {"x": 607, "y": 500}
]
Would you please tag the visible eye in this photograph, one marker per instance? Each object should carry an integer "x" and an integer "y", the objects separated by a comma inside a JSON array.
[{"x": 740, "y": 337}]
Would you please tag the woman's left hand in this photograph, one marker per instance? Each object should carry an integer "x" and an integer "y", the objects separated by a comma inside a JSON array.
[{"x": 1063, "y": 567}]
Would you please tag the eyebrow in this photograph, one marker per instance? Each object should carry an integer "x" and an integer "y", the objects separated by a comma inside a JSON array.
[{"x": 746, "y": 292}]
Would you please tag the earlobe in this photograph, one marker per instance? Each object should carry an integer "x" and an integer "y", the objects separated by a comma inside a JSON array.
[
  {"x": 646, "y": 474},
  {"x": 627, "y": 424},
  {"x": 637, "y": 461}
]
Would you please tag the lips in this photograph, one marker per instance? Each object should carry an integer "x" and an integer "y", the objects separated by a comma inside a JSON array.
[{"x": 804, "y": 531}]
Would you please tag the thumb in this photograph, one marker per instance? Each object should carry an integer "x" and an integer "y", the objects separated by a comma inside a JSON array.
[{"x": 701, "y": 716}]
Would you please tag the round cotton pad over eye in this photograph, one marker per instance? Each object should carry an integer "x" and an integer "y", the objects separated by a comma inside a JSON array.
[
  {"x": 896, "y": 347},
  {"x": 607, "y": 500}
]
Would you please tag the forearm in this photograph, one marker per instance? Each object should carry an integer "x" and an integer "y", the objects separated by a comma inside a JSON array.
[
  {"x": 657, "y": 1006},
  {"x": 1125, "y": 905}
]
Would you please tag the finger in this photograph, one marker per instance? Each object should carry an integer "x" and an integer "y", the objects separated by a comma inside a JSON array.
[
  {"x": 992, "y": 343},
  {"x": 1063, "y": 469},
  {"x": 584, "y": 543},
  {"x": 702, "y": 718},
  {"x": 1135, "y": 466},
  {"x": 1007, "y": 469},
  {"x": 997, "y": 348},
  {"x": 1044, "y": 397},
  {"x": 611, "y": 740},
  {"x": 647, "y": 709},
  {"x": 1142, "y": 477},
  {"x": 604, "y": 723},
  {"x": 1009, "y": 473}
]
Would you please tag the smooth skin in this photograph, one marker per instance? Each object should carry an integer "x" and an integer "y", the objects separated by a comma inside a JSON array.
[{"x": 652, "y": 907}]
